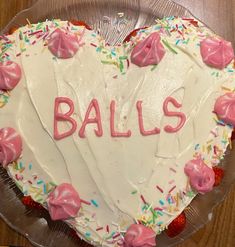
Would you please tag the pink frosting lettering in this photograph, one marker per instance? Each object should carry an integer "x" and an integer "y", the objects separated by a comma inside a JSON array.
[
  {"x": 63, "y": 117},
  {"x": 144, "y": 132},
  {"x": 10, "y": 146},
  {"x": 63, "y": 202},
  {"x": 201, "y": 177},
  {"x": 139, "y": 235},
  {"x": 97, "y": 119},
  {"x": 93, "y": 116},
  {"x": 63, "y": 44},
  {"x": 10, "y": 75},
  {"x": 216, "y": 52},
  {"x": 115, "y": 133},
  {"x": 168, "y": 113},
  {"x": 149, "y": 51},
  {"x": 225, "y": 108}
]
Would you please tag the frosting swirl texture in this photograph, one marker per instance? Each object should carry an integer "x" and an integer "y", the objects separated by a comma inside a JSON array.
[
  {"x": 10, "y": 75},
  {"x": 139, "y": 235},
  {"x": 10, "y": 146},
  {"x": 63, "y": 202},
  {"x": 225, "y": 108},
  {"x": 149, "y": 51},
  {"x": 201, "y": 177},
  {"x": 217, "y": 53},
  {"x": 63, "y": 44}
]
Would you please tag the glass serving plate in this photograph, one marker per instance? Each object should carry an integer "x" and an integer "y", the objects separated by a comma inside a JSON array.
[{"x": 104, "y": 16}]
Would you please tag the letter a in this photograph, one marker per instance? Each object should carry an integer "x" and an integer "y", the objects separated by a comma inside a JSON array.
[{"x": 97, "y": 119}]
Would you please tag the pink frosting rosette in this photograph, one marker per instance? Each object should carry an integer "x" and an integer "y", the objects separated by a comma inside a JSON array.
[
  {"x": 10, "y": 146},
  {"x": 63, "y": 202},
  {"x": 63, "y": 44},
  {"x": 149, "y": 51},
  {"x": 10, "y": 75},
  {"x": 138, "y": 235},
  {"x": 217, "y": 53},
  {"x": 225, "y": 108},
  {"x": 201, "y": 177}
]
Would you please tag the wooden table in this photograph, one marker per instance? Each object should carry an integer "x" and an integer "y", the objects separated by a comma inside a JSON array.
[{"x": 220, "y": 16}]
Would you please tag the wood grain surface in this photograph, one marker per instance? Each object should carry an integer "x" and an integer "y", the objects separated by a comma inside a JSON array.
[{"x": 220, "y": 16}]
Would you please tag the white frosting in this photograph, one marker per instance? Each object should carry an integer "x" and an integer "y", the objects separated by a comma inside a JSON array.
[{"x": 115, "y": 172}]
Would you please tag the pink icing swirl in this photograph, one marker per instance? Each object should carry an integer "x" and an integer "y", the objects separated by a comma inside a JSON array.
[
  {"x": 139, "y": 235},
  {"x": 63, "y": 44},
  {"x": 63, "y": 202},
  {"x": 149, "y": 51},
  {"x": 201, "y": 177},
  {"x": 225, "y": 108},
  {"x": 10, "y": 146},
  {"x": 217, "y": 53},
  {"x": 10, "y": 75}
]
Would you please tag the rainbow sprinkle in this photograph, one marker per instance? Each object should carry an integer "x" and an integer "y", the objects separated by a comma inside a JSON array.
[
  {"x": 94, "y": 202},
  {"x": 166, "y": 43},
  {"x": 4, "y": 98}
]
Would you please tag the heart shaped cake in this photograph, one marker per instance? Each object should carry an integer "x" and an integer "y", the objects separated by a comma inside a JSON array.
[{"x": 115, "y": 140}]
